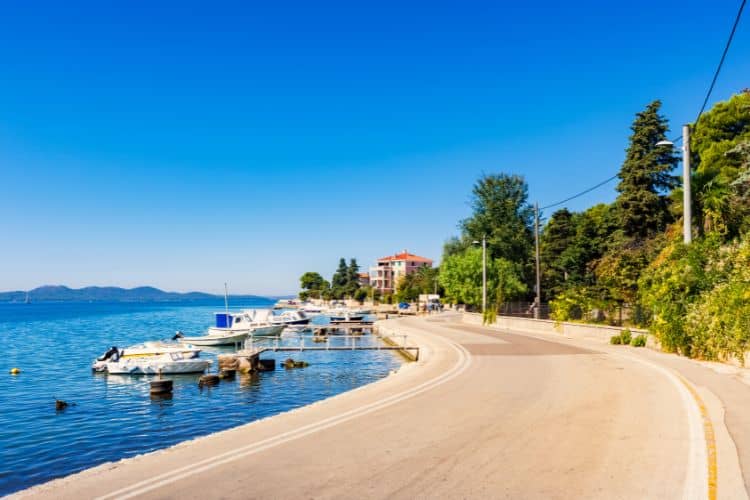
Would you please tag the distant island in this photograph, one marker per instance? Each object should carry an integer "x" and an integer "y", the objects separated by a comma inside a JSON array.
[{"x": 60, "y": 293}]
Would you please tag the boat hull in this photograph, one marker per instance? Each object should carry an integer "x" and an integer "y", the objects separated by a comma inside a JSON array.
[
  {"x": 302, "y": 321},
  {"x": 218, "y": 336},
  {"x": 346, "y": 318},
  {"x": 267, "y": 331},
  {"x": 144, "y": 367}
]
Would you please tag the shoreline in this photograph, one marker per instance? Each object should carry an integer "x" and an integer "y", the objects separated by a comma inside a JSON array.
[{"x": 362, "y": 396}]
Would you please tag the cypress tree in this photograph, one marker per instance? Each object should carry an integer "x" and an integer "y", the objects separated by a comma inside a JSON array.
[
  {"x": 558, "y": 236},
  {"x": 352, "y": 277},
  {"x": 645, "y": 176}
]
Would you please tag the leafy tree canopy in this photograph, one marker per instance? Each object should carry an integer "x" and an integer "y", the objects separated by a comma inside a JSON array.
[
  {"x": 423, "y": 281},
  {"x": 461, "y": 277},
  {"x": 501, "y": 212}
]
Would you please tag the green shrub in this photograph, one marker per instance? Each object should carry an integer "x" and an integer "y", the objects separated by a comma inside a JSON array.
[
  {"x": 578, "y": 304},
  {"x": 615, "y": 340},
  {"x": 674, "y": 281},
  {"x": 719, "y": 322},
  {"x": 638, "y": 341},
  {"x": 625, "y": 336}
]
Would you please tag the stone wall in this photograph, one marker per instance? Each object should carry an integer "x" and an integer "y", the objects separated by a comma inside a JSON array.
[{"x": 599, "y": 333}]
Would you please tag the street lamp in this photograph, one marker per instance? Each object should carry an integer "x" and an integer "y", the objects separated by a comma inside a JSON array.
[
  {"x": 484, "y": 271},
  {"x": 687, "y": 208}
]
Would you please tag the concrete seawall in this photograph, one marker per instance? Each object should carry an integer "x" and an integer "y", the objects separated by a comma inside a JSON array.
[{"x": 144, "y": 473}]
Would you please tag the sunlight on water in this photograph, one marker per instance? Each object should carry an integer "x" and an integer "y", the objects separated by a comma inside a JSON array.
[{"x": 114, "y": 416}]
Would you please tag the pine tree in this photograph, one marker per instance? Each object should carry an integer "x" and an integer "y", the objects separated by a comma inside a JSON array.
[{"x": 645, "y": 176}]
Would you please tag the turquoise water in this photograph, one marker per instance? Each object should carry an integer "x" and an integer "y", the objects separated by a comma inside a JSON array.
[{"x": 114, "y": 417}]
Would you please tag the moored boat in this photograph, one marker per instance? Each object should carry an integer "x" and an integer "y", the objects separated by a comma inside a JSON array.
[
  {"x": 163, "y": 364},
  {"x": 216, "y": 337},
  {"x": 290, "y": 318},
  {"x": 145, "y": 350},
  {"x": 344, "y": 316},
  {"x": 235, "y": 326}
]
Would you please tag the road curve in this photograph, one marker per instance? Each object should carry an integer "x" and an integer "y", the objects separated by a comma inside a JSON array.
[{"x": 483, "y": 413}]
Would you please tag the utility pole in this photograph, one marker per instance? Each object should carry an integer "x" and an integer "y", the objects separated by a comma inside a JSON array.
[
  {"x": 687, "y": 210},
  {"x": 484, "y": 273},
  {"x": 538, "y": 280}
]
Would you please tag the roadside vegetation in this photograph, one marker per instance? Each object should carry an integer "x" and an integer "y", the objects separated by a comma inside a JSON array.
[
  {"x": 625, "y": 262},
  {"x": 621, "y": 263}
]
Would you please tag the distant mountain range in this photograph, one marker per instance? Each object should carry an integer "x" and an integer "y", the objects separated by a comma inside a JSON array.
[{"x": 60, "y": 293}]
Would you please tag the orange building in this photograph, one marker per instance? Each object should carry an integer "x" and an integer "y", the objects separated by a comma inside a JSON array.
[{"x": 389, "y": 270}]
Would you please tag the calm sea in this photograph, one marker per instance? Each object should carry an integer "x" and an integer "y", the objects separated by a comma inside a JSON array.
[{"x": 113, "y": 417}]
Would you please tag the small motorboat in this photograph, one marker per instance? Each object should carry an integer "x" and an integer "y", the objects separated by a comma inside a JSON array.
[
  {"x": 311, "y": 309},
  {"x": 214, "y": 338},
  {"x": 290, "y": 318},
  {"x": 145, "y": 350},
  {"x": 344, "y": 316},
  {"x": 162, "y": 364},
  {"x": 234, "y": 327}
]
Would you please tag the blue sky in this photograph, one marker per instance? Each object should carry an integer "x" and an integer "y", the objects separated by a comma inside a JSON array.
[{"x": 187, "y": 144}]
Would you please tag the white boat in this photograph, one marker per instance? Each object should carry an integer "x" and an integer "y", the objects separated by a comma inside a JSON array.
[
  {"x": 290, "y": 318},
  {"x": 344, "y": 316},
  {"x": 162, "y": 364},
  {"x": 261, "y": 323},
  {"x": 147, "y": 349},
  {"x": 311, "y": 309},
  {"x": 236, "y": 326},
  {"x": 218, "y": 336}
]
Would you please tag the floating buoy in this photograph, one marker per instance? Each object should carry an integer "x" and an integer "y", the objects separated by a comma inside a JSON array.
[
  {"x": 15, "y": 371},
  {"x": 161, "y": 386},
  {"x": 208, "y": 380}
]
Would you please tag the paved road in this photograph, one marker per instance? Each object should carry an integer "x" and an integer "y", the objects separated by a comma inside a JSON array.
[{"x": 486, "y": 414}]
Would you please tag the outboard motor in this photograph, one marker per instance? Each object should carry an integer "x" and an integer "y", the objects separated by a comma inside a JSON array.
[
  {"x": 113, "y": 353},
  {"x": 100, "y": 365}
]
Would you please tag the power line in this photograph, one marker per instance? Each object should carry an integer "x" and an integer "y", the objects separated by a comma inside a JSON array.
[
  {"x": 721, "y": 61},
  {"x": 581, "y": 193},
  {"x": 677, "y": 139}
]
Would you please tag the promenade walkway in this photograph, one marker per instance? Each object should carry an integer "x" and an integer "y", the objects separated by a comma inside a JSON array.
[{"x": 482, "y": 414}]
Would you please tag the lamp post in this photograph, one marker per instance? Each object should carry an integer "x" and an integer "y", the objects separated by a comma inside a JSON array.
[
  {"x": 687, "y": 207},
  {"x": 484, "y": 271},
  {"x": 538, "y": 299}
]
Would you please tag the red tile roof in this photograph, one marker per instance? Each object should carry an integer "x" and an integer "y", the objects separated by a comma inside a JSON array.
[{"x": 405, "y": 256}]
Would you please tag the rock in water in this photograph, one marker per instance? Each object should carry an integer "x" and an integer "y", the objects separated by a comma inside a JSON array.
[
  {"x": 207, "y": 380},
  {"x": 244, "y": 365},
  {"x": 290, "y": 363}
]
